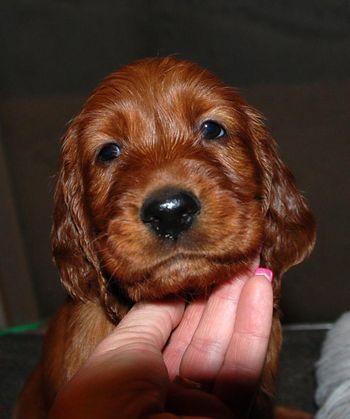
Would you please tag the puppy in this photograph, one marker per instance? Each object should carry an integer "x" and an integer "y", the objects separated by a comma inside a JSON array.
[{"x": 169, "y": 183}]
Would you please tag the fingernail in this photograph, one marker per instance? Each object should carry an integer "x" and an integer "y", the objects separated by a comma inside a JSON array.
[{"x": 267, "y": 273}]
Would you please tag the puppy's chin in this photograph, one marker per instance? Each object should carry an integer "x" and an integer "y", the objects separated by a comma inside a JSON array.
[{"x": 183, "y": 277}]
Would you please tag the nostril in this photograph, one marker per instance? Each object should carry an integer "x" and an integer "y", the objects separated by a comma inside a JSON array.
[{"x": 170, "y": 212}]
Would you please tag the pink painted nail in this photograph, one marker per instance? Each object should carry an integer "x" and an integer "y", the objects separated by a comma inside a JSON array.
[{"x": 267, "y": 273}]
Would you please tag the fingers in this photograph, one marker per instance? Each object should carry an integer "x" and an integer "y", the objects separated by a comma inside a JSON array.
[
  {"x": 181, "y": 337},
  {"x": 243, "y": 363},
  {"x": 212, "y": 336},
  {"x": 125, "y": 367}
]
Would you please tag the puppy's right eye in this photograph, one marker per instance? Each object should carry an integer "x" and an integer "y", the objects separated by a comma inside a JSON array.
[{"x": 109, "y": 152}]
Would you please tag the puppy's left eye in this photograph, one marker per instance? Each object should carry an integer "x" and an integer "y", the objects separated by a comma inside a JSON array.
[
  {"x": 109, "y": 152},
  {"x": 212, "y": 130}
]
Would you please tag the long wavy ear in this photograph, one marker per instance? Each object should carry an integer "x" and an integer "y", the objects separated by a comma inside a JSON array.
[
  {"x": 290, "y": 227},
  {"x": 71, "y": 236}
]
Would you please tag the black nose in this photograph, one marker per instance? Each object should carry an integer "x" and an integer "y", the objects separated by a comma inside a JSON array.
[{"x": 170, "y": 212}]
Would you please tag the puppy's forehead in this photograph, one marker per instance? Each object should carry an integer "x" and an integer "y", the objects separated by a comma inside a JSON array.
[{"x": 168, "y": 90}]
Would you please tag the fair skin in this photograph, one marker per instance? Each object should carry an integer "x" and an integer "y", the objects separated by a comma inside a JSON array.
[{"x": 220, "y": 343}]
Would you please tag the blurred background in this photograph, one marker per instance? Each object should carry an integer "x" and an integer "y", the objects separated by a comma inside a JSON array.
[{"x": 289, "y": 59}]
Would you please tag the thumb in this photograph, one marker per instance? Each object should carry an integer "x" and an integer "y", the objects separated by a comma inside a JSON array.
[
  {"x": 147, "y": 326},
  {"x": 126, "y": 374}
]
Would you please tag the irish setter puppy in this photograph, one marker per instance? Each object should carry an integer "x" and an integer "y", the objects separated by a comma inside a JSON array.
[{"x": 169, "y": 183}]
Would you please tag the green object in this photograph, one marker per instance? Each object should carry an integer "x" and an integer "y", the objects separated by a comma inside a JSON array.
[{"x": 22, "y": 328}]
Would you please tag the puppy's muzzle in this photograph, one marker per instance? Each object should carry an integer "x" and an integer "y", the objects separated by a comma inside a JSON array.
[{"x": 170, "y": 212}]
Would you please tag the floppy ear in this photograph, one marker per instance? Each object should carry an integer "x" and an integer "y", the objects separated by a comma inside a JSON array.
[
  {"x": 71, "y": 238},
  {"x": 290, "y": 227}
]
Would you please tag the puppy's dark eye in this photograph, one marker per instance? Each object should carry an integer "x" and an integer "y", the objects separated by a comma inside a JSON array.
[
  {"x": 212, "y": 130},
  {"x": 109, "y": 152}
]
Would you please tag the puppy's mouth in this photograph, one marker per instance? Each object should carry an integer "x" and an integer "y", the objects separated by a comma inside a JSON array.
[
  {"x": 177, "y": 263},
  {"x": 181, "y": 260},
  {"x": 185, "y": 274}
]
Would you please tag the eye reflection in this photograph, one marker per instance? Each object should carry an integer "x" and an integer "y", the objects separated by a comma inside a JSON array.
[
  {"x": 212, "y": 130},
  {"x": 109, "y": 152}
]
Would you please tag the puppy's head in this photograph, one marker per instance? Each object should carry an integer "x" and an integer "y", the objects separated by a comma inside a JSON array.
[{"x": 169, "y": 183}]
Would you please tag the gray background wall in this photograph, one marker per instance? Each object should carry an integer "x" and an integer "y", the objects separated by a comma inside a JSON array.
[{"x": 290, "y": 59}]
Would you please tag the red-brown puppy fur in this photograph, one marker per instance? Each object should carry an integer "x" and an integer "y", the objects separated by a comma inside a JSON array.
[{"x": 108, "y": 258}]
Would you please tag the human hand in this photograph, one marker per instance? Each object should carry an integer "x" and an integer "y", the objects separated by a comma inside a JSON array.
[{"x": 220, "y": 343}]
